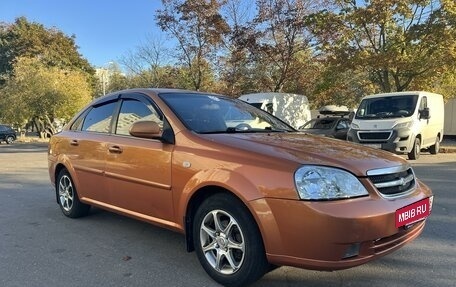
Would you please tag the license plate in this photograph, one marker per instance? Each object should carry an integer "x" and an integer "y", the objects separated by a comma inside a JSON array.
[
  {"x": 373, "y": 145},
  {"x": 414, "y": 212}
]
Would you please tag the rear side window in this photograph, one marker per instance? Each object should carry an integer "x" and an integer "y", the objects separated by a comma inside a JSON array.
[
  {"x": 132, "y": 111},
  {"x": 99, "y": 118},
  {"x": 77, "y": 124}
]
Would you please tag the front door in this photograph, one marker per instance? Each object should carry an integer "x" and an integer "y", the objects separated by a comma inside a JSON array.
[
  {"x": 427, "y": 134},
  {"x": 138, "y": 170}
]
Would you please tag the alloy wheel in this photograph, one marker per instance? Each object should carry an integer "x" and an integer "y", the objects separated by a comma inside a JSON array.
[
  {"x": 222, "y": 242},
  {"x": 66, "y": 193}
]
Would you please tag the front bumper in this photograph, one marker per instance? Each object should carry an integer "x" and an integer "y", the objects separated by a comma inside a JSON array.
[
  {"x": 400, "y": 141},
  {"x": 334, "y": 235}
]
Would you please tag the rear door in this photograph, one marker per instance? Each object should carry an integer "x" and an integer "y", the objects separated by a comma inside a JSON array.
[
  {"x": 138, "y": 170},
  {"x": 87, "y": 150}
]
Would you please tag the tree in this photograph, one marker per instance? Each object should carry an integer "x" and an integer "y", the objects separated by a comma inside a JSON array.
[
  {"x": 234, "y": 62},
  {"x": 42, "y": 75},
  {"x": 42, "y": 94},
  {"x": 33, "y": 40},
  {"x": 278, "y": 41},
  {"x": 396, "y": 42},
  {"x": 335, "y": 87},
  {"x": 198, "y": 28},
  {"x": 147, "y": 61}
]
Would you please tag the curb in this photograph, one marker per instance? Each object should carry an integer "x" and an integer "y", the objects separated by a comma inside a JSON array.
[{"x": 447, "y": 150}]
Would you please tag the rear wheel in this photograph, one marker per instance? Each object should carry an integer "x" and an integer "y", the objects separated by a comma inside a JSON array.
[
  {"x": 68, "y": 197},
  {"x": 9, "y": 139},
  {"x": 415, "y": 152},
  {"x": 227, "y": 241},
  {"x": 436, "y": 147}
]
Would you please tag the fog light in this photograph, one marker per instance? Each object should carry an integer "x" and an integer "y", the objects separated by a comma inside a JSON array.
[{"x": 352, "y": 251}]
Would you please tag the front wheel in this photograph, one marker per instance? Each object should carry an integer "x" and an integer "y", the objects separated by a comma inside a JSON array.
[
  {"x": 436, "y": 147},
  {"x": 415, "y": 152},
  {"x": 228, "y": 242},
  {"x": 68, "y": 197}
]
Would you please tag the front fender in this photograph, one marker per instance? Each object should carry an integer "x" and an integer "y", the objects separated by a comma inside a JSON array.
[
  {"x": 241, "y": 187},
  {"x": 231, "y": 181}
]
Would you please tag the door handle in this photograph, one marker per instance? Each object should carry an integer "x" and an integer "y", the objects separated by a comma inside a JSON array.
[
  {"x": 115, "y": 149},
  {"x": 74, "y": 142}
]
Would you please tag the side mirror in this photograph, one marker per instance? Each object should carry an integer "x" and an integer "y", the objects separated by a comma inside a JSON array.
[
  {"x": 146, "y": 129},
  {"x": 424, "y": 114}
]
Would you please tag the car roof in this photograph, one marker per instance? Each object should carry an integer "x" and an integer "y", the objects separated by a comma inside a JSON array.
[
  {"x": 406, "y": 93},
  {"x": 147, "y": 91}
]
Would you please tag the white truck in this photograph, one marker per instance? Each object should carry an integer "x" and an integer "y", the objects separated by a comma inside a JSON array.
[
  {"x": 400, "y": 122},
  {"x": 290, "y": 108}
]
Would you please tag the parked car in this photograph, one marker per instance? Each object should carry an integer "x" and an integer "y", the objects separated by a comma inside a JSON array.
[
  {"x": 334, "y": 127},
  {"x": 7, "y": 134},
  {"x": 332, "y": 122},
  {"x": 247, "y": 191}
]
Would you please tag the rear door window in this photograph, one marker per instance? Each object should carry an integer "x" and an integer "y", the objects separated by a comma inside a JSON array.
[{"x": 99, "y": 118}]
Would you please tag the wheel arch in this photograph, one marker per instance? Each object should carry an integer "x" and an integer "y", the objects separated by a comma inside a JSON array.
[
  {"x": 417, "y": 136},
  {"x": 440, "y": 135},
  {"x": 194, "y": 202},
  {"x": 60, "y": 165},
  {"x": 58, "y": 168},
  {"x": 198, "y": 197}
]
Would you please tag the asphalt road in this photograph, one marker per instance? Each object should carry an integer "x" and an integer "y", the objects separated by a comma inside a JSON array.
[{"x": 41, "y": 247}]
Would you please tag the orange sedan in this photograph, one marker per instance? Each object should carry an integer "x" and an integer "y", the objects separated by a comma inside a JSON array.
[{"x": 247, "y": 190}]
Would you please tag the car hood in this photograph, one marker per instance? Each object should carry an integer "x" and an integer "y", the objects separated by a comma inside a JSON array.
[
  {"x": 310, "y": 149},
  {"x": 379, "y": 124}
]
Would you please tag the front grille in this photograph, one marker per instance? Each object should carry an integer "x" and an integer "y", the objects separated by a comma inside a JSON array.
[
  {"x": 374, "y": 136},
  {"x": 393, "y": 181}
]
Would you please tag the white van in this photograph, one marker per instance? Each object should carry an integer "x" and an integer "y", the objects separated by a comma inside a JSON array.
[
  {"x": 290, "y": 108},
  {"x": 401, "y": 122}
]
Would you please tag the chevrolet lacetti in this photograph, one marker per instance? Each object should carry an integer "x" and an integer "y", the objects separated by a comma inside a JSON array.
[{"x": 248, "y": 191}]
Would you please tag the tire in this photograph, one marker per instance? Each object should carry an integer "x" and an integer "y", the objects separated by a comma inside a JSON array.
[
  {"x": 415, "y": 152},
  {"x": 436, "y": 147},
  {"x": 223, "y": 228},
  {"x": 67, "y": 197},
  {"x": 9, "y": 139}
]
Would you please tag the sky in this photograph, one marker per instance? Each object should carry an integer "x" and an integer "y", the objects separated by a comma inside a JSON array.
[{"x": 105, "y": 30}]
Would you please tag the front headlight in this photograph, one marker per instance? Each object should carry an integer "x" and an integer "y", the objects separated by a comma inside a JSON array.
[
  {"x": 403, "y": 125},
  {"x": 354, "y": 126},
  {"x": 325, "y": 183}
]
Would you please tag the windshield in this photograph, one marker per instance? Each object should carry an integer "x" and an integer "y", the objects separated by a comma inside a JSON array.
[
  {"x": 324, "y": 124},
  {"x": 387, "y": 107},
  {"x": 216, "y": 114}
]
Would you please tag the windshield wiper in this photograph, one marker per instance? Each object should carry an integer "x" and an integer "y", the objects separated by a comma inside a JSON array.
[
  {"x": 265, "y": 130},
  {"x": 236, "y": 130}
]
